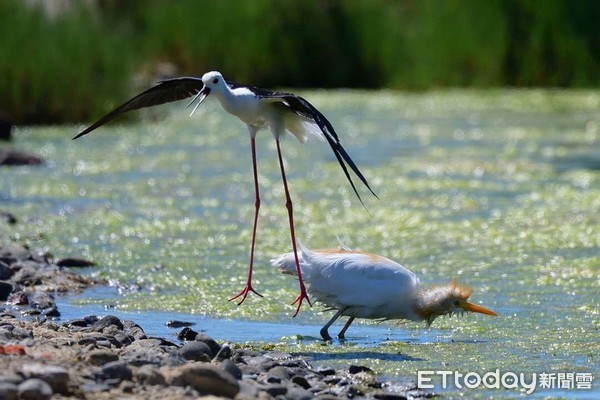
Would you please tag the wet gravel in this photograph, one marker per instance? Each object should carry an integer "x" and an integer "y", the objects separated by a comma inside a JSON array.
[{"x": 95, "y": 357}]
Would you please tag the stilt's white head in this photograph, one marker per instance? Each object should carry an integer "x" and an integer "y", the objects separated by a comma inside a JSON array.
[{"x": 213, "y": 83}]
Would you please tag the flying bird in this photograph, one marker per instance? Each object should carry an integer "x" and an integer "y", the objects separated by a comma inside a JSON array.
[
  {"x": 364, "y": 285},
  {"x": 259, "y": 109}
]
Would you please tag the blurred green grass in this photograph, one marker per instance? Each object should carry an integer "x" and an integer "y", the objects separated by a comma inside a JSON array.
[{"x": 78, "y": 64}]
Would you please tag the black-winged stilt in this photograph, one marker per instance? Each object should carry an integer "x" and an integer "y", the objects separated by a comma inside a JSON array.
[{"x": 258, "y": 108}]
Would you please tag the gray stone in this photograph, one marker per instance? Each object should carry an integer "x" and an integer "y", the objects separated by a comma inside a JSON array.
[
  {"x": 11, "y": 377},
  {"x": 298, "y": 393},
  {"x": 56, "y": 377},
  {"x": 277, "y": 390},
  {"x": 42, "y": 300},
  {"x": 278, "y": 374},
  {"x": 109, "y": 320},
  {"x": 101, "y": 357},
  {"x": 35, "y": 389},
  {"x": 117, "y": 370},
  {"x": 214, "y": 346},
  {"x": 8, "y": 391},
  {"x": 137, "y": 357},
  {"x": 205, "y": 378},
  {"x": 149, "y": 375},
  {"x": 230, "y": 367},
  {"x": 196, "y": 351}
]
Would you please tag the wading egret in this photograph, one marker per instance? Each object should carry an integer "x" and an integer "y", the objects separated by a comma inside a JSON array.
[{"x": 363, "y": 285}]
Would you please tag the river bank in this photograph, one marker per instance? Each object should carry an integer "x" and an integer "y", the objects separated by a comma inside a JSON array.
[{"x": 104, "y": 356}]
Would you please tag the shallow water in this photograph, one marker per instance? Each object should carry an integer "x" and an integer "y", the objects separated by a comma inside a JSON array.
[{"x": 499, "y": 189}]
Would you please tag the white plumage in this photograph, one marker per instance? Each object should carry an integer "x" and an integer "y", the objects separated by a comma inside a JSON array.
[{"x": 364, "y": 285}]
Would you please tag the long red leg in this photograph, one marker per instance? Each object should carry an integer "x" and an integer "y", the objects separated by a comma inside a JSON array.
[
  {"x": 303, "y": 294},
  {"x": 248, "y": 287}
]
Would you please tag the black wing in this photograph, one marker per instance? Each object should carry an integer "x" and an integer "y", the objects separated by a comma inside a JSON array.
[
  {"x": 165, "y": 92},
  {"x": 303, "y": 108}
]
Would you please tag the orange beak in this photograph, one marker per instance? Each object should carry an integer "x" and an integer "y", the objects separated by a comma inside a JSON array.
[{"x": 470, "y": 307}]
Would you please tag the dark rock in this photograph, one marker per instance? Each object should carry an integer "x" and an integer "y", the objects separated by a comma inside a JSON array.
[
  {"x": 173, "y": 359},
  {"x": 205, "y": 378},
  {"x": 301, "y": 381},
  {"x": 117, "y": 370},
  {"x": 71, "y": 262},
  {"x": 179, "y": 324},
  {"x": 101, "y": 357},
  {"x": 388, "y": 396},
  {"x": 8, "y": 217},
  {"x": 326, "y": 371},
  {"x": 277, "y": 390},
  {"x": 133, "y": 330},
  {"x": 5, "y": 290},
  {"x": 51, "y": 312},
  {"x": 187, "y": 334},
  {"x": 230, "y": 367},
  {"x": 104, "y": 323},
  {"x": 212, "y": 344},
  {"x": 35, "y": 389},
  {"x": 56, "y": 377},
  {"x": 196, "y": 351},
  {"x": 355, "y": 369},
  {"x": 84, "y": 322},
  {"x": 8, "y": 391},
  {"x": 5, "y": 271},
  {"x": 123, "y": 339},
  {"x": 224, "y": 353},
  {"x": 42, "y": 300},
  {"x": 14, "y": 158}
]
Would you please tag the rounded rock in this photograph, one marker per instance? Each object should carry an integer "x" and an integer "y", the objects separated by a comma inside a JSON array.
[
  {"x": 101, "y": 357},
  {"x": 35, "y": 389},
  {"x": 56, "y": 377},
  {"x": 205, "y": 378},
  {"x": 117, "y": 370},
  {"x": 196, "y": 351},
  {"x": 8, "y": 391}
]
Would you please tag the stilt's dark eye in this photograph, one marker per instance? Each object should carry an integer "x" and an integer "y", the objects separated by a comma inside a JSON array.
[
  {"x": 215, "y": 80},
  {"x": 456, "y": 303}
]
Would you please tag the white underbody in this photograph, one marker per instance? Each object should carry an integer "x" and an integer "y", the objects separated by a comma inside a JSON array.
[
  {"x": 363, "y": 285},
  {"x": 261, "y": 113}
]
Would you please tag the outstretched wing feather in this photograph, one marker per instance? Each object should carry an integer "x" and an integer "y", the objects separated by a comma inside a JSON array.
[{"x": 165, "y": 92}]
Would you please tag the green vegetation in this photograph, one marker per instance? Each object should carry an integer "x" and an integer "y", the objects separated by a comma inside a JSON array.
[{"x": 80, "y": 63}]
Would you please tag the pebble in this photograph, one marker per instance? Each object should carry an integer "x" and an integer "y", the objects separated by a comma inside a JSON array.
[
  {"x": 117, "y": 370},
  {"x": 230, "y": 367},
  {"x": 205, "y": 378},
  {"x": 5, "y": 290},
  {"x": 196, "y": 351},
  {"x": 149, "y": 375},
  {"x": 101, "y": 357},
  {"x": 187, "y": 334},
  {"x": 55, "y": 376},
  {"x": 212, "y": 344}
]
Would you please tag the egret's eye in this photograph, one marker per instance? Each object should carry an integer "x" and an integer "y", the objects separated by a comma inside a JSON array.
[
  {"x": 215, "y": 80},
  {"x": 456, "y": 303}
]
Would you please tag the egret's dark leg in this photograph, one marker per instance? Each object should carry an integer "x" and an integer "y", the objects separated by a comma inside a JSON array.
[
  {"x": 342, "y": 333},
  {"x": 303, "y": 294},
  {"x": 324, "y": 330},
  {"x": 248, "y": 287}
]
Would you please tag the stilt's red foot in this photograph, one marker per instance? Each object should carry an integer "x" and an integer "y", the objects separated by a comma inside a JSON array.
[
  {"x": 303, "y": 295},
  {"x": 244, "y": 293}
]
